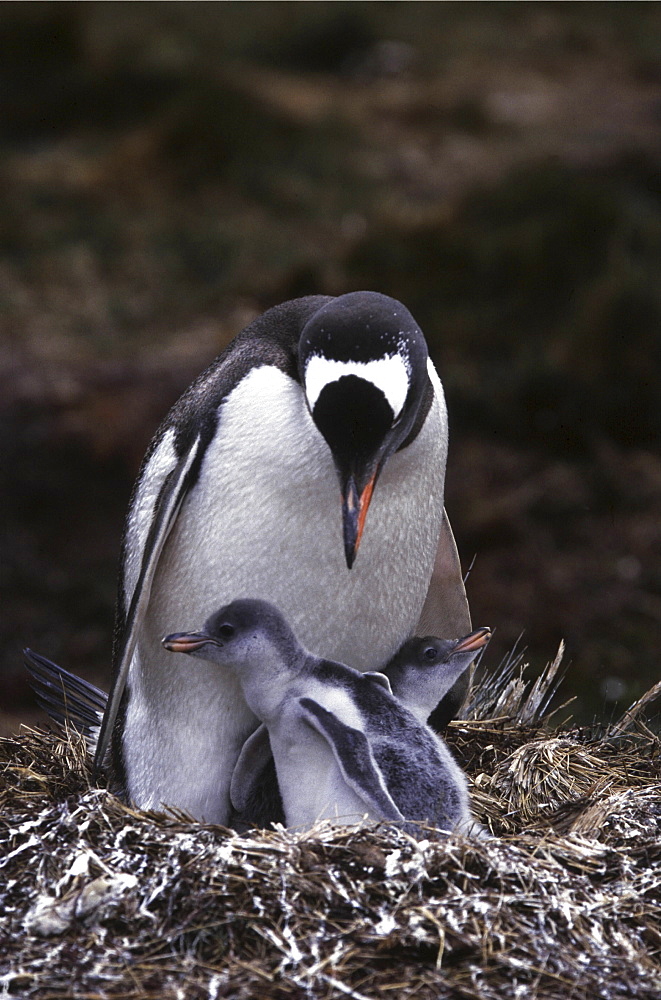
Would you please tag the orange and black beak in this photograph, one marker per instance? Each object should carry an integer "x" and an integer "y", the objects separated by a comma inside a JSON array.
[
  {"x": 355, "y": 503},
  {"x": 473, "y": 642},
  {"x": 185, "y": 642}
]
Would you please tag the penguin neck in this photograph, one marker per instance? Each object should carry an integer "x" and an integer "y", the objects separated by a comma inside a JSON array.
[
  {"x": 267, "y": 673},
  {"x": 417, "y": 700},
  {"x": 421, "y": 693}
]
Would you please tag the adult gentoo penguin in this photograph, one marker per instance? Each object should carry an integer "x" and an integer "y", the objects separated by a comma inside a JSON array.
[
  {"x": 344, "y": 746},
  {"x": 306, "y": 467}
]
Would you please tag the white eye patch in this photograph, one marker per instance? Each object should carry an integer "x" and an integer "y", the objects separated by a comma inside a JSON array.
[{"x": 388, "y": 374}]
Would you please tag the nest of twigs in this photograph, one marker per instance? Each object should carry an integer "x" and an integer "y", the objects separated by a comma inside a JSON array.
[{"x": 564, "y": 901}]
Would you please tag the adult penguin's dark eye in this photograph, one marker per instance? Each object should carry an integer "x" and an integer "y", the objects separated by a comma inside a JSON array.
[
  {"x": 227, "y": 631},
  {"x": 430, "y": 653}
]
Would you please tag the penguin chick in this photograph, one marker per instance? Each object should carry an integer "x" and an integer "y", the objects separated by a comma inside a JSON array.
[
  {"x": 419, "y": 675},
  {"x": 344, "y": 746},
  {"x": 424, "y": 670}
]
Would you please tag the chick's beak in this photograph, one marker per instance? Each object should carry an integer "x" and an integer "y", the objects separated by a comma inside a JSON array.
[
  {"x": 476, "y": 640},
  {"x": 185, "y": 642}
]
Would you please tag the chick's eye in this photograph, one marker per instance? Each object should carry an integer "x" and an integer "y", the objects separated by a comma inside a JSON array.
[
  {"x": 227, "y": 631},
  {"x": 430, "y": 653}
]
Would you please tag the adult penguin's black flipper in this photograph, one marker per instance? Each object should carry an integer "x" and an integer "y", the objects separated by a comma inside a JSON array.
[
  {"x": 446, "y": 613},
  {"x": 165, "y": 511}
]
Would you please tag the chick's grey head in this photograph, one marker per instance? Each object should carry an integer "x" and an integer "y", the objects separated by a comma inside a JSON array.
[
  {"x": 425, "y": 669},
  {"x": 363, "y": 364},
  {"x": 235, "y": 633}
]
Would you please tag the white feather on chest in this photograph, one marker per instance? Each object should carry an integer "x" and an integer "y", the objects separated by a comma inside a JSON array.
[{"x": 264, "y": 520}]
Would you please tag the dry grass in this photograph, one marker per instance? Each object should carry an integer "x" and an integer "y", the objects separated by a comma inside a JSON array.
[{"x": 100, "y": 900}]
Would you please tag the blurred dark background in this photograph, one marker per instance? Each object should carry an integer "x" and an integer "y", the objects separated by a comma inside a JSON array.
[{"x": 169, "y": 170}]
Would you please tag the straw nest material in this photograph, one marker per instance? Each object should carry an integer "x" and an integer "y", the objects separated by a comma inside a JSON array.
[{"x": 564, "y": 901}]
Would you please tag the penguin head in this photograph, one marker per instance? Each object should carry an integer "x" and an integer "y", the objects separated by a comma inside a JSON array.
[
  {"x": 424, "y": 669},
  {"x": 363, "y": 365},
  {"x": 238, "y": 635}
]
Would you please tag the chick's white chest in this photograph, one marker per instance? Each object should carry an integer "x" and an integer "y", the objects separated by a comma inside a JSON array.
[{"x": 309, "y": 775}]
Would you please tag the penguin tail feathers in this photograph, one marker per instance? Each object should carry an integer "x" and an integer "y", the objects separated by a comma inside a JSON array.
[{"x": 66, "y": 698}]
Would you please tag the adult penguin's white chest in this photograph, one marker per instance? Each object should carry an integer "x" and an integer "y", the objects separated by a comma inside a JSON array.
[{"x": 264, "y": 520}]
